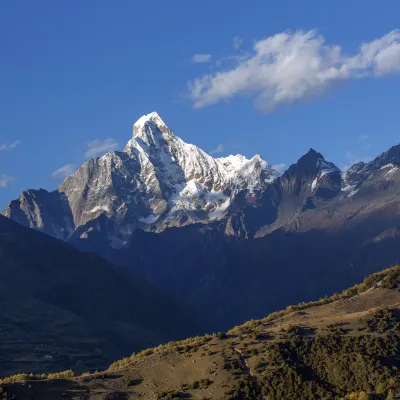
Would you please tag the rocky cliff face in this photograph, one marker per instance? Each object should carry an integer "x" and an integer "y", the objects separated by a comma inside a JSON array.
[
  {"x": 158, "y": 181},
  {"x": 239, "y": 235},
  {"x": 314, "y": 194}
]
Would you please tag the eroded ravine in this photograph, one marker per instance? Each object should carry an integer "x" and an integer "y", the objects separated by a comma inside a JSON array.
[{"x": 250, "y": 373}]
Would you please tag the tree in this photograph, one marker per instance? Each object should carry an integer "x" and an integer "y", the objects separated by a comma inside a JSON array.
[{"x": 363, "y": 396}]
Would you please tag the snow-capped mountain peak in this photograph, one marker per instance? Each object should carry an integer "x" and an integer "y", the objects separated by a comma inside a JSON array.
[
  {"x": 189, "y": 180},
  {"x": 152, "y": 130},
  {"x": 160, "y": 181},
  {"x": 153, "y": 117},
  {"x": 156, "y": 182},
  {"x": 176, "y": 161}
]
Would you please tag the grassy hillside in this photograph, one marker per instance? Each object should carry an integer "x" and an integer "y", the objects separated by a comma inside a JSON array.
[{"x": 343, "y": 347}]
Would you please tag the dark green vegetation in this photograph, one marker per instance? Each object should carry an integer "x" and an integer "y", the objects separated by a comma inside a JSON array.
[
  {"x": 332, "y": 366},
  {"x": 63, "y": 309},
  {"x": 343, "y": 347}
]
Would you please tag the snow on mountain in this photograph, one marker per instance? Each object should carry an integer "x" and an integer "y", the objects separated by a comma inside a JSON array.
[
  {"x": 324, "y": 168},
  {"x": 184, "y": 179},
  {"x": 156, "y": 182},
  {"x": 387, "y": 163},
  {"x": 390, "y": 169},
  {"x": 159, "y": 181}
]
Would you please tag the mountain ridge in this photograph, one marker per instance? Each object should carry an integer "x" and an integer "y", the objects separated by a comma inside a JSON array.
[
  {"x": 339, "y": 348},
  {"x": 273, "y": 223},
  {"x": 159, "y": 181},
  {"x": 62, "y": 308}
]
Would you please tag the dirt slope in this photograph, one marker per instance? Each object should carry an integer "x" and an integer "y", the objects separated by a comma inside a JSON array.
[{"x": 282, "y": 356}]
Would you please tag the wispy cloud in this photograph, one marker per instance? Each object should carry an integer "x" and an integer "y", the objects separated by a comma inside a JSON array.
[
  {"x": 64, "y": 171},
  {"x": 279, "y": 167},
  {"x": 237, "y": 43},
  {"x": 94, "y": 148},
  {"x": 97, "y": 147},
  {"x": 5, "y": 180},
  {"x": 363, "y": 138},
  {"x": 201, "y": 58},
  {"x": 218, "y": 149},
  {"x": 9, "y": 146},
  {"x": 292, "y": 66}
]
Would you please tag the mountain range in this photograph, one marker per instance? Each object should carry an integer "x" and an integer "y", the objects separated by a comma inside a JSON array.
[
  {"x": 227, "y": 236},
  {"x": 158, "y": 181}
]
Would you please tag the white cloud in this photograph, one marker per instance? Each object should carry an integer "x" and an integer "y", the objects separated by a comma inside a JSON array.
[
  {"x": 97, "y": 147},
  {"x": 363, "y": 138},
  {"x": 5, "y": 180},
  {"x": 201, "y": 58},
  {"x": 279, "y": 167},
  {"x": 9, "y": 146},
  {"x": 218, "y": 149},
  {"x": 293, "y": 66},
  {"x": 64, "y": 171},
  {"x": 237, "y": 43}
]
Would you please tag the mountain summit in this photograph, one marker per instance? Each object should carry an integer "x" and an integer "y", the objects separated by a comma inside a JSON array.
[
  {"x": 240, "y": 226},
  {"x": 158, "y": 181}
]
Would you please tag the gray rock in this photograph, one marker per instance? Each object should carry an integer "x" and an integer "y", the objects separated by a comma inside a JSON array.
[{"x": 158, "y": 181}]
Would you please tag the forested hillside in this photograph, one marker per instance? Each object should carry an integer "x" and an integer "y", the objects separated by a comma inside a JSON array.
[{"x": 342, "y": 347}]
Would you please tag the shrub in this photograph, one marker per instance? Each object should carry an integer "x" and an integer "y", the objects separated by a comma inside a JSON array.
[{"x": 221, "y": 335}]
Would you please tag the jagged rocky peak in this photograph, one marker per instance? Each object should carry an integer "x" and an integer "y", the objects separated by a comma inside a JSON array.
[
  {"x": 392, "y": 156},
  {"x": 177, "y": 162},
  {"x": 309, "y": 166},
  {"x": 152, "y": 118},
  {"x": 156, "y": 182},
  {"x": 386, "y": 164},
  {"x": 312, "y": 176},
  {"x": 42, "y": 210},
  {"x": 151, "y": 129}
]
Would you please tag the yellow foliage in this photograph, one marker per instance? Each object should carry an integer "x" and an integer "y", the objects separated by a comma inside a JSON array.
[
  {"x": 30, "y": 377},
  {"x": 356, "y": 289},
  {"x": 162, "y": 347}
]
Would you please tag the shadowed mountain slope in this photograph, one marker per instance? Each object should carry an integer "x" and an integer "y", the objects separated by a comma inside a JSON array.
[
  {"x": 227, "y": 235},
  {"x": 62, "y": 308},
  {"x": 343, "y": 347}
]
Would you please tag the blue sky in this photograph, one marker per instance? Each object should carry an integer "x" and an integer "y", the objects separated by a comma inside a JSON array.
[{"x": 75, "y": 76}]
